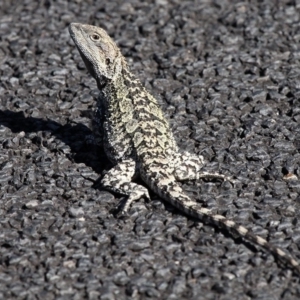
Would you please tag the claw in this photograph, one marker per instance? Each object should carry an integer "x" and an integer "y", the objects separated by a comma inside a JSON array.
[{"x": 136, "y": 195}]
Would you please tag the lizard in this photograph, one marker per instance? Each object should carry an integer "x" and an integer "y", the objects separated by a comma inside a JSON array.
[{"x": 137, "y": 138}]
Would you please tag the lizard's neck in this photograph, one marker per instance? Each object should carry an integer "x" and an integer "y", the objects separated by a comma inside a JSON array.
[{"x": 120, "y": 88}]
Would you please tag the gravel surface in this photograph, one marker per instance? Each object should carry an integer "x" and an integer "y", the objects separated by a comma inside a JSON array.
[{"x": 227, "y": 76}]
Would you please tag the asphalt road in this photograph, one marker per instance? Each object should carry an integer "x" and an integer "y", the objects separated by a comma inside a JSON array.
[{"x": 227, "y": 76}]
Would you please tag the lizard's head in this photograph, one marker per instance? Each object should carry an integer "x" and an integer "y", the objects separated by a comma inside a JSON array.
[{"x": 100, "y": 54}]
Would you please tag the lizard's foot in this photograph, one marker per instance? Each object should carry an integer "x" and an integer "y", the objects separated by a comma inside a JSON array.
[
  {"x": 137, "y": 193},
  {"x": 89, "y": 139},
  {"x": 215, "y": 176},
  {"x": 118, "y": 180}
]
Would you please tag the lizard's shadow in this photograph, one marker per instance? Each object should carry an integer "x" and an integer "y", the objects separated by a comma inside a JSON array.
[{"x": 71, "y": 135}]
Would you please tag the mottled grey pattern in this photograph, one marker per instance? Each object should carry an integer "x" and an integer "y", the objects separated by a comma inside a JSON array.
[{"x": 137, "y": 138}]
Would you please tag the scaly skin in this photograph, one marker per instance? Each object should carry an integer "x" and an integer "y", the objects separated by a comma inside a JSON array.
[{"x": 138, "y": 140}]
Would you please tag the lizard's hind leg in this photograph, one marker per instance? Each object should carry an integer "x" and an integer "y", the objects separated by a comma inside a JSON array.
[{"x": 188, "y": 167}]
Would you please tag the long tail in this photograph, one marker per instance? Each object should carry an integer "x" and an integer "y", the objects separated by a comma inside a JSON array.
[{"x": 169, "y": 190}]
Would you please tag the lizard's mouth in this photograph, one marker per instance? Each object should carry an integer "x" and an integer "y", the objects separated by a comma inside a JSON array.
[{"x": 74, "y": 28}]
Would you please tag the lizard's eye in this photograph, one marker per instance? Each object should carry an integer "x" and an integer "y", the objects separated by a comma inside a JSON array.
[
  {"x": 107, "y": 61},
  {"x": 95, "y": 37}
]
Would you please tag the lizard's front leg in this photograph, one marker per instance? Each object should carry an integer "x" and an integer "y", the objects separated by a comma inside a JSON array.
[
  {"x": 118, "y": 180},
  {"x": 188, "y": 167},
  {"x": 96, "y": 139}
]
